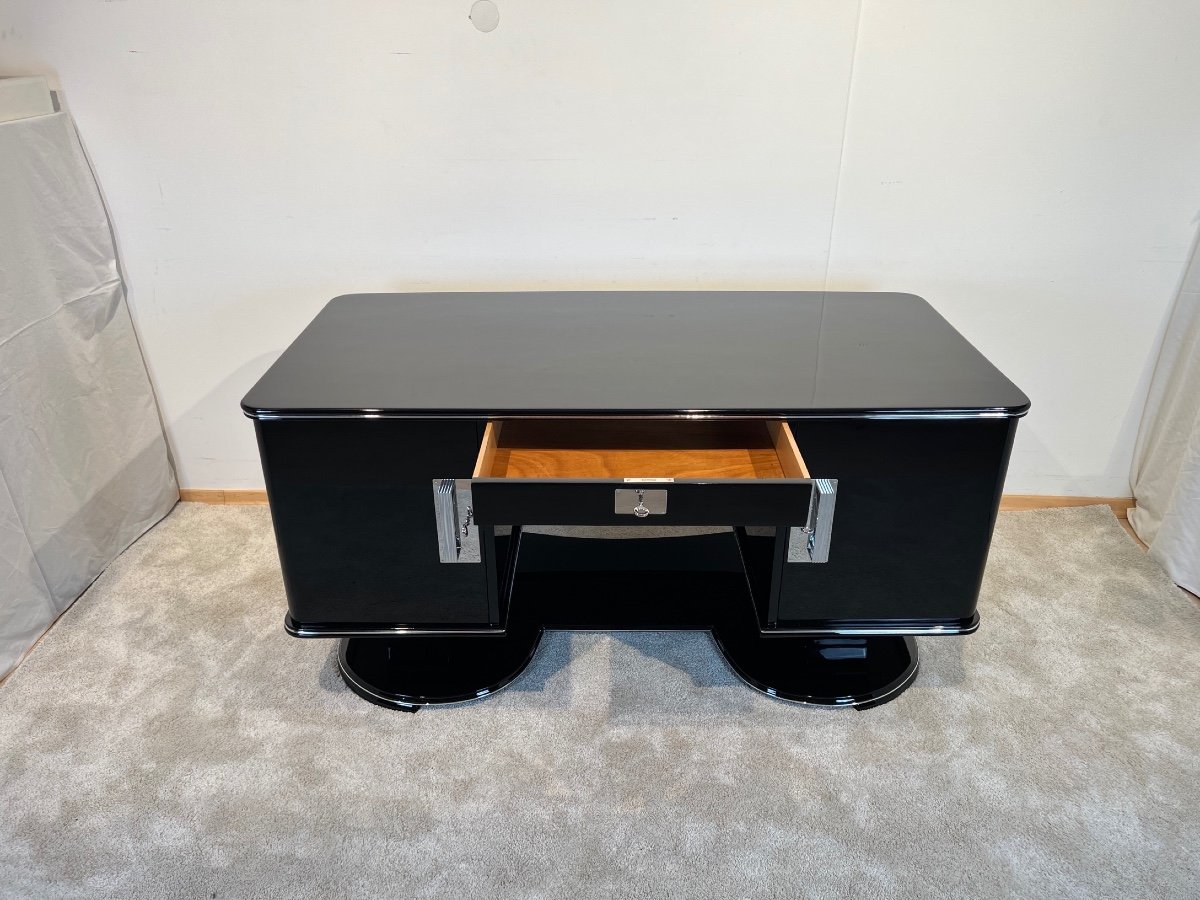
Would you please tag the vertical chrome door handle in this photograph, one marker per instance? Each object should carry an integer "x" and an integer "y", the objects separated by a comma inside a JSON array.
[
  {"x": 458, "y": 538},
  {"x": 809, "y": 543}
]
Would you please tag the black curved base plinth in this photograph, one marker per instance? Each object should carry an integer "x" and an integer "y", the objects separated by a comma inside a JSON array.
[
  {"x": 415, "y": 670},
  {"x": 856, "y": 672}
]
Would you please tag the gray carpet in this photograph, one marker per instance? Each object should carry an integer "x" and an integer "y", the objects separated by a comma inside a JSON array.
[{"x": 167, "y": 739}]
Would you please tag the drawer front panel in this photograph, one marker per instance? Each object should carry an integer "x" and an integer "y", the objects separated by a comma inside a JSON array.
[{"x": 545, "y": 501}]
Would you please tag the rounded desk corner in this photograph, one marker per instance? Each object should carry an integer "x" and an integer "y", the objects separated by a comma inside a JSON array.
[{"x": 1018, "y": 410}]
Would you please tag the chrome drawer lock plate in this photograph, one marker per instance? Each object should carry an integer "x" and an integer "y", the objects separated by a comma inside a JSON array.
[{"x": 640, "y": 502}]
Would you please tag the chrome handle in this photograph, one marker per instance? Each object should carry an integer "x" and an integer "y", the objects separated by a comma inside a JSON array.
[
  {"x": 458, "y": 539},
  {"x": 809, "y": 543}
]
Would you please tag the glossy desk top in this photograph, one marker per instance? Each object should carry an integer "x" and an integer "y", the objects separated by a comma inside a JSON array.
[{"x": 635, "y": 352}]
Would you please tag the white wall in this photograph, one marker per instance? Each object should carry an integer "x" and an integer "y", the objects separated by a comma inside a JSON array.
[
  {"x": 1033, "y": 169},
  {"x": 1030, "y": 168}
]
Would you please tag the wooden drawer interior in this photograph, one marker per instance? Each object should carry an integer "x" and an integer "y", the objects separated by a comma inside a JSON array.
[{"x": 639, "y": 448}]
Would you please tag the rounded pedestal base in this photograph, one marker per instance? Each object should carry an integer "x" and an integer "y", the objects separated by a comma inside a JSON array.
[
  {"x": 856, "y": 672},
  {"x": 415, "y": 670}
]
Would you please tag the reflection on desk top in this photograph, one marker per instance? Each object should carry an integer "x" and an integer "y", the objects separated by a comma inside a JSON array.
[{"x": 631, "y": 352}]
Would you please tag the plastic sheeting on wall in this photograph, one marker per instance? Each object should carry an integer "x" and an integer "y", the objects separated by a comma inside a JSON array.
[
  {"x": 84, "y": 468},
  {"x": 1166, "y": 461}
]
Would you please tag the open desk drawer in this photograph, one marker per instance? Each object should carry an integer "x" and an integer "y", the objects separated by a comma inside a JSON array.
[{"x": 637, "y": 472}]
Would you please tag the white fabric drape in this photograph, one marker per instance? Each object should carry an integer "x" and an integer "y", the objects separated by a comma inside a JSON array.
[
  {"x": 1166, "y": 463},
  {"x": 83, "y": 463}
]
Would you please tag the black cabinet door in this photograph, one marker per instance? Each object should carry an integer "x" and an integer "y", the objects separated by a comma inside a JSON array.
[
  {"x": 354, "y": 520},
  {"x": 916, "y": 503}
]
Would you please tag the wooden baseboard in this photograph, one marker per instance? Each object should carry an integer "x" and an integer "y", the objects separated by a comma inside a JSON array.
[
  {"x": 222, "y": 496},
  {"x": 1008, "y": 503},
  {"x": 1016, "y": 502}
]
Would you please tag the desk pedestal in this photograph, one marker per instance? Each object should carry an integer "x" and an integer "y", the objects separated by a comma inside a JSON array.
[{"x": 552, "y": 590}]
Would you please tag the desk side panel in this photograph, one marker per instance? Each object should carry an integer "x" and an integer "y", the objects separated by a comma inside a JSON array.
[
  {"x": 352, "y": 505},
  {"x": 916, "y": 504}
]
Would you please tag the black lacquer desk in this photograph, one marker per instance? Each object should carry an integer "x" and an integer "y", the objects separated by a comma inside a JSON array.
[{"x": 811, "y": 477}]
